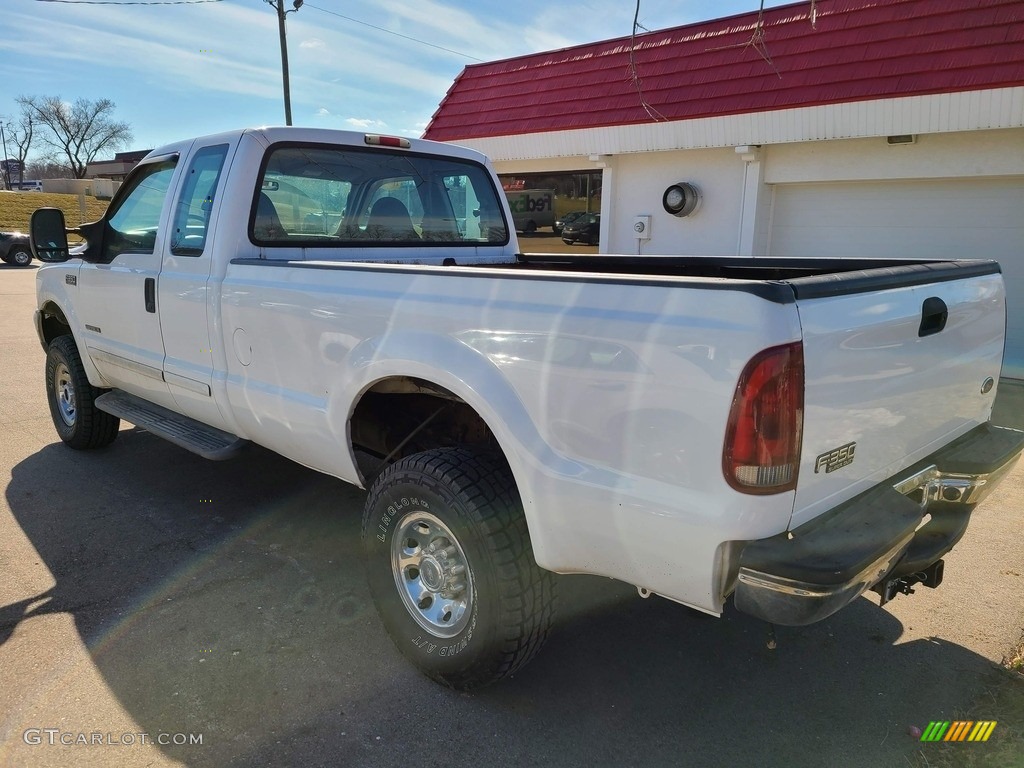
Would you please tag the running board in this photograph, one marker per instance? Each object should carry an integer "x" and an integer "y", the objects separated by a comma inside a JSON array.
[{"x": 209, "y": 442}]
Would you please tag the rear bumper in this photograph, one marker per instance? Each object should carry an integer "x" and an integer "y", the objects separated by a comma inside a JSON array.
[{"x": 804, "y": 575}]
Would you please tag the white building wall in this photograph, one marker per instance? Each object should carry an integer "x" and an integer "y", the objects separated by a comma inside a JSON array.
[
  {"x": 932, "y": 156},
  {"x": 640, "y": 182}
]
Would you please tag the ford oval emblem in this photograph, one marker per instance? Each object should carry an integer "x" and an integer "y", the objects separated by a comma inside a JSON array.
[{"x": 986, "y": 386}]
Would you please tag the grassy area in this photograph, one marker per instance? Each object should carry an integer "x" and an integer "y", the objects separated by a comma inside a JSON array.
[
  {"x": 17, "y": 207},
  {"x": 1002, "y": 701}
]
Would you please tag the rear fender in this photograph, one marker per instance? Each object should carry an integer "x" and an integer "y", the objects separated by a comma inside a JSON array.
[{"x": 435, "y": 358}]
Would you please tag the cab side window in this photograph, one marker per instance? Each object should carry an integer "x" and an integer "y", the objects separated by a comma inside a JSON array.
[
  {"x": 132, "y": 227},
  {"x": 192, "y": 213}
]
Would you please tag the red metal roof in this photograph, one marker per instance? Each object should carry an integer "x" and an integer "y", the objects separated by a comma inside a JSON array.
[{"x": 857, "y": 50}]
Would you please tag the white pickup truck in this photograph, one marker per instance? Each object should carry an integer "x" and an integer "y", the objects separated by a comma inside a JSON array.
[{"x": 787, "y": 433}]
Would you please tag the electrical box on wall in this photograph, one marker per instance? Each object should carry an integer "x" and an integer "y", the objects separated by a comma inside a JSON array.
[{"x": 642, "y": 227}]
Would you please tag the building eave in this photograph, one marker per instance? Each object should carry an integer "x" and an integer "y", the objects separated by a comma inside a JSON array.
[{"x": 935, "y": 113}]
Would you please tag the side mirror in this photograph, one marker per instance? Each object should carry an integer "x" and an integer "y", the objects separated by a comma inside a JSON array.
[{"x": 48, "y": 237}]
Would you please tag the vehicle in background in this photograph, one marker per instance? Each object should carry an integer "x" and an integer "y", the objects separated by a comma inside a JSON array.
[
  {"x": 33, "y": 185},
  {"x": 585, "y": 229},
  {"x": 531, "y": 208},
  {"x": 560, "y": 222},
  {"x": 15, "y": 249}
]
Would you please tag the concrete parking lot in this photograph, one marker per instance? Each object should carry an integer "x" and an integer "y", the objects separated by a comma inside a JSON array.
[{"x": 150, "y": 596}]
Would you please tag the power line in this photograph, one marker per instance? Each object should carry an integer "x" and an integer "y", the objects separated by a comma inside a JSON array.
[
  {"x": 388, "y": 31},
  {"x": 130, "y": 2},
  {"x": 634, "y": 75},
  {"x": 306, "y": 5}
]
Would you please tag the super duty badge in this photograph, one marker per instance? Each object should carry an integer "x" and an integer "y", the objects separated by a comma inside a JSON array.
[{"x": 832, "y": 460}]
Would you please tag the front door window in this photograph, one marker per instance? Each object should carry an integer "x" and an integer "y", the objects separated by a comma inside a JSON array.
[{"x": 132, "y": 227}]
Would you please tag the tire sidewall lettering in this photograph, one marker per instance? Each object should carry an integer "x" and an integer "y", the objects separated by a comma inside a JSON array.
[
  {"x": 459, "y": 646},
  {"x": 394, "y": 510},
  {"x": 449, "y": 649}
]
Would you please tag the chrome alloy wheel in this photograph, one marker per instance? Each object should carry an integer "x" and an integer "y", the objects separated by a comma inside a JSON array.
[
  {"x": 64, "y": 391},
  {"x": 432, "y": 574}
]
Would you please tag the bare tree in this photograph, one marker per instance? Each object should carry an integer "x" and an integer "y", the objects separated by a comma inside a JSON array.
[
  {"x": 46, "y": 168},
  {"x": 21, "y": 138},
  {"x": 78, "y": 131}
]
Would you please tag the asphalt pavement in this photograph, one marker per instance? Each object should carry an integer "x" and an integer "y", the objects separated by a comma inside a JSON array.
[{"x": 150, "y": 599}]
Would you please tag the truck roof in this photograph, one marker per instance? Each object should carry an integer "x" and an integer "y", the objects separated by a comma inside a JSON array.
[{"x": 274, "y": 134}]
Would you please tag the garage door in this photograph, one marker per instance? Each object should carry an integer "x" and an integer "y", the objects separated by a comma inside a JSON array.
[{"x": 956, "y": 218}]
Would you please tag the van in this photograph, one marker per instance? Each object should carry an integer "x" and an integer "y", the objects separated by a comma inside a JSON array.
[
  {"x": 29, "y": 186},
  {"x": 531, "y": 208}
]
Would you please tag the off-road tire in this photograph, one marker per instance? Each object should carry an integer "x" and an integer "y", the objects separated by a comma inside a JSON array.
[
  {"x": 72, "y": 399},
  {"x": 471, "y": 495}
]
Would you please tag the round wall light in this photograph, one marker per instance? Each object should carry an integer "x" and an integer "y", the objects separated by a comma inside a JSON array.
[{"x": 681, "y": 199}]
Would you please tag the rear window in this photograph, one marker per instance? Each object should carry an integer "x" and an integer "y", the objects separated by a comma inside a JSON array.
[{"x": 340, "y": 196}]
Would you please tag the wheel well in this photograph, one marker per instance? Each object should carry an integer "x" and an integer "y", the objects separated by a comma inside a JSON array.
[
  {"x": 54, "y": 323},
  {"x": 403, "y": 415}
]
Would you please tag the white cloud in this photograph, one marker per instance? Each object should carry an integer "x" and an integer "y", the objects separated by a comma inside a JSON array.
[
  {"x": 364, "y": 124},
  {"x": 323, "y": 112},
  {"x": 313, "y": 42}
]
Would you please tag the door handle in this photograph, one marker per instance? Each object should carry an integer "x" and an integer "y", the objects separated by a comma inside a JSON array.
[
  {"x": 150, "y": 291},
  {"x": 933, "y": 316}
]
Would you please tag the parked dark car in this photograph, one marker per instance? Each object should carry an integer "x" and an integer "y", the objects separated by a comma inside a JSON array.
[
  {"x": 561, "y": 221},
  {"x": 14, "y": 249},
  {"x": 585, "y": 229}
]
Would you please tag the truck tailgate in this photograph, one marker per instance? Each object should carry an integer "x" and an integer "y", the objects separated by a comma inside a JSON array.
[{"x": 892, "y": 374}]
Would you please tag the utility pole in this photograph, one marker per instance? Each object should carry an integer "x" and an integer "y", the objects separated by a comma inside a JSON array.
[{"x": 278, "y": 5}]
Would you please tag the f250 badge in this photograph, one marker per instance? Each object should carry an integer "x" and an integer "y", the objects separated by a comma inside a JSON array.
[{"x": 835, "y": 459}]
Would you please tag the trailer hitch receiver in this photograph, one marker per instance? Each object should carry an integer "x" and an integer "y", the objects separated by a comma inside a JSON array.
[{"x": 929, "y": 577}]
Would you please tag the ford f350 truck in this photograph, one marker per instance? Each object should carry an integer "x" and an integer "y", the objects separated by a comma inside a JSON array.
[{"x": 787, "y": 433}]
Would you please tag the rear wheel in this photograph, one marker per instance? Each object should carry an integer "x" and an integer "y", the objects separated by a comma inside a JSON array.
[
  {"x": 450, "y": 567},
  {"x": 78, "y": 421}
]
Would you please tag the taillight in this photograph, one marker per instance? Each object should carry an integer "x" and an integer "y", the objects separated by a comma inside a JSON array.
[{"x": 762, "y": 440}]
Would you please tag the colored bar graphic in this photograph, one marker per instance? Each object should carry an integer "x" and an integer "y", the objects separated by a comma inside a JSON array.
[
  {"x": 935, "y": 730},
  {"x": 958, "y": 730},
  {"x": 982, "y": 730}
]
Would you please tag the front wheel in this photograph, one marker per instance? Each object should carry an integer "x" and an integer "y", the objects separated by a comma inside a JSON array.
[
  {"x": 78, "y": 421},
  {"x": 19, "y": 257},
  {"x": 450, "y": 567}
]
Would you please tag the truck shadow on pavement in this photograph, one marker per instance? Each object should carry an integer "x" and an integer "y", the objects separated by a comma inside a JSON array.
[{"x": 229, "y": 600}]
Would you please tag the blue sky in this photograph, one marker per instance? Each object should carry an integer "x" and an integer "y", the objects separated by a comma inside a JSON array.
[{"x": 177, "y": 71}]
